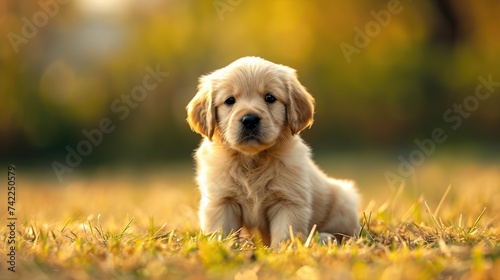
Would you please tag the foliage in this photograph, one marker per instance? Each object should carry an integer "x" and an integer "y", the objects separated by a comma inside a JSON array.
[{"x": 67, "y": 75}]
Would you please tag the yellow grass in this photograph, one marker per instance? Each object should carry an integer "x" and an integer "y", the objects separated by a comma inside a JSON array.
[{"x": 443, "y": 223}]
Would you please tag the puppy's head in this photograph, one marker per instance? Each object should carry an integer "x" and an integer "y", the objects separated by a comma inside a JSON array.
[{"x": 250, "y": 105}]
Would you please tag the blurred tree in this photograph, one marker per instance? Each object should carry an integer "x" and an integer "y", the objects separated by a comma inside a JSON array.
[{"x": 86, "y": 56}]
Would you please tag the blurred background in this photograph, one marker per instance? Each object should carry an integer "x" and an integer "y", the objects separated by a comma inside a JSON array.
[{"x": 383, "y": 73}]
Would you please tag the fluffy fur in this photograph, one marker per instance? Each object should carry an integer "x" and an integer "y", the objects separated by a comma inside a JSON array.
[{"x": 256, "y": 172}]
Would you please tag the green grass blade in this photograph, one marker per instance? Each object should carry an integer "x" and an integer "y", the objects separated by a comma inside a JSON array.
[
  {"x": 126, "y": 228},
  {"x": 474, "y": 225}
]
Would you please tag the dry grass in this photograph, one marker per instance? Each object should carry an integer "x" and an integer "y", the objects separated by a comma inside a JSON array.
[{"x": 127, "y": 227}]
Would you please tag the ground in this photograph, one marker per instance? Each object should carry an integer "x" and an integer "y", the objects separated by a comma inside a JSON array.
[{"x": 107, "y": 224}]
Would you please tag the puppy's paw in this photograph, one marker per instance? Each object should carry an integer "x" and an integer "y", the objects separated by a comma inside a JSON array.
[{"x": 323, "y": 238}]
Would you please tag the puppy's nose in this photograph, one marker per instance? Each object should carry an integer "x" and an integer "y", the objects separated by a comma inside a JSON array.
[{"x": 250, "y": 121}]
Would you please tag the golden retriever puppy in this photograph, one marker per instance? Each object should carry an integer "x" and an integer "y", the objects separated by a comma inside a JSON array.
[{"x": 253, "y": 169}]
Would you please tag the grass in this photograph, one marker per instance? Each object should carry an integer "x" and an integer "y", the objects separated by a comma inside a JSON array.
[{"x": 103, "y": 226}]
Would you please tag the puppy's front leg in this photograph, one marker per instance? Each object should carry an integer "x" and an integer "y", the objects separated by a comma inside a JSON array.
[
  {"x": 222, "y": 214},
  {"x": 282, "y": 216}
]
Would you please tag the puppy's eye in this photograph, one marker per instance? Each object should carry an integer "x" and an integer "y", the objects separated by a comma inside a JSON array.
[
  {"x": 230, "y": 101},
  {"x": 269, "y": 98}
]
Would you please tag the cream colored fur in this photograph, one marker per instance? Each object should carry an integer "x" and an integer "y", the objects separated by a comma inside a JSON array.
[{"x": 267, "y": 181}]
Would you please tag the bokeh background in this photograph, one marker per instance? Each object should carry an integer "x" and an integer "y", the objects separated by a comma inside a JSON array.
[{"x": 64, "y": 63}]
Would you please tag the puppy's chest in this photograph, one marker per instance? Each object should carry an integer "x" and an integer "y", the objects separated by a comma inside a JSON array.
[
  {"x": 253, "y": 180},
  {"x": 253, "y": 191}
]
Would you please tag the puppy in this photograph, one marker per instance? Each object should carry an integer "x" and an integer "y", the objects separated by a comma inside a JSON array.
[{"x": 253, "y": 169}]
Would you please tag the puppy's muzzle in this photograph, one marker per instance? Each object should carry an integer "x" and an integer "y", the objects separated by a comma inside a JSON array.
[{"x": 250, "y": 122}]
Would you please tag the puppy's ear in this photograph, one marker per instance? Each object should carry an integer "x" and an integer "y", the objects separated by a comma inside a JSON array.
[
  {"x": 300, "y": 109},
  {"x": 201, "y": 110}
]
